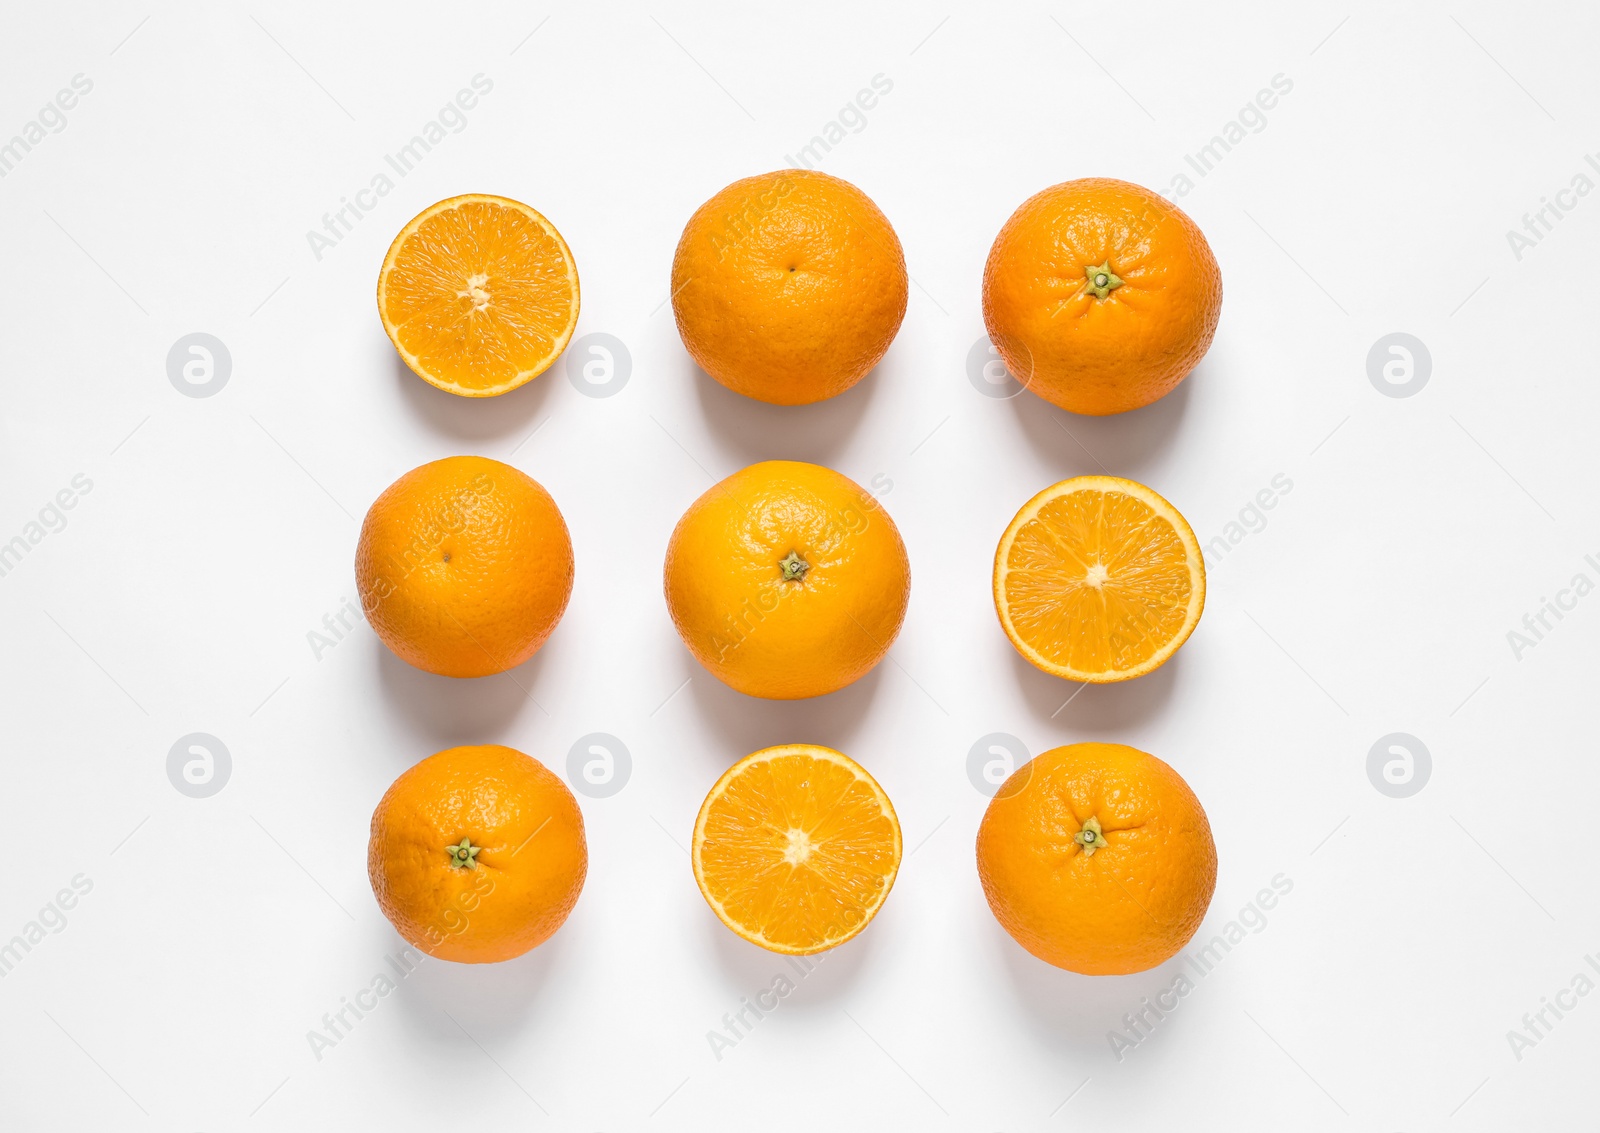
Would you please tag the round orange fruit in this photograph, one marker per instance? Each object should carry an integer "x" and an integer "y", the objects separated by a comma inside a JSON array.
[
  {"x": 1097, "y": 858},
  {"x": 479, "y": 294},
  {"x": 477, "y": 854},
  {"x": 1101, "y": 295},
  {"x": 464, "y": 566},
  {"x": 787, "y": 580},
  {"x": 796, "y": 848},
  {"x": 1098, "y": 579},
  {"x": 788, "y": 287}
]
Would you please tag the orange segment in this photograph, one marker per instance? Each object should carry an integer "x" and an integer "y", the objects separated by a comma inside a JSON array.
[
  {"x": 1098, "y": 579},
  {"x": 796, "y": 848},
  {"x": 479, "y": 294}
]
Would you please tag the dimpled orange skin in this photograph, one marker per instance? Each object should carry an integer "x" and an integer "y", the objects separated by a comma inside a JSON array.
[
  {"x": 464, "y": 566},
  {"x": 1096, "y": 355},
  {"x": 788, "y": 287},
  {"x": 786, "y": 639},
  {"x": 527, "y": 872},
  {"x": 1132, "y": 903}
]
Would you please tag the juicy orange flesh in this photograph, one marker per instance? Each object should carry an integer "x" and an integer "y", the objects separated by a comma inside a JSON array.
[
  {"x": 798, "y": 851},
  {"x": 1097, "y": 581},
  {"x": 480, "y": 293}
]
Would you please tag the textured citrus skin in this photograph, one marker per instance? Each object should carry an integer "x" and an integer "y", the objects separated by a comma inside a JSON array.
[
  {"x": 1087, "y": 354},
  {"x": 788, "y": 287},
  {"x": 1098, "y": 579},
  {"x": 774, "y": 637},
  {"x": 528, "y": 871},
  {"x": 464, "y": 566},
  {"x": 796, "y": 848},
  {"x": 479, "y": 294},
  {"x": 1132, "y": 903}
]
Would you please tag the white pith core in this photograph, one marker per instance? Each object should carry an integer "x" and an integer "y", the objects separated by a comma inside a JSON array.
[
  {"x": 475, "y": 291},
  {"x": 799, "y": 847}
]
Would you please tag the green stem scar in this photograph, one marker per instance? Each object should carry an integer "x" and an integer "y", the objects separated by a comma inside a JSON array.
[
  {"x": 1090, "y": 837},
  {"x": 464, "y": 855},
  {"x": 793, "y": 567},
  {"x": 1102, "y": 281}
]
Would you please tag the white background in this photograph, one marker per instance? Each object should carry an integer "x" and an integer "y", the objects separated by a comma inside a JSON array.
[{"x": 219, "y": 531}]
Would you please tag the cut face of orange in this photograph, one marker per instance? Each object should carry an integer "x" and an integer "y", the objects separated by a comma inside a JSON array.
[
  {"x": 479, "y": 294},
  {"x": 1098, "y": 579},
  {"x": 796, "y": 848}
]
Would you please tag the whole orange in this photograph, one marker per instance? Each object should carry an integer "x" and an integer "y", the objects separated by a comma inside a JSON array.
[
  {"x": 788, "y": 287},
  {"x": 1101, "y": 295},
  {"x": 477, "y": 854},
  {"x": 464, "y": 566},
  {"x": 1097, "y": 858},
  {"x": 787, "y": 580}
]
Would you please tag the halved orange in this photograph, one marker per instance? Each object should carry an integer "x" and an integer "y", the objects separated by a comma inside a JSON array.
[
  {"x": 479, "y": 294},
  {"x": 1098, "y": 579},
  {"x": 796, "y": 848}
]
